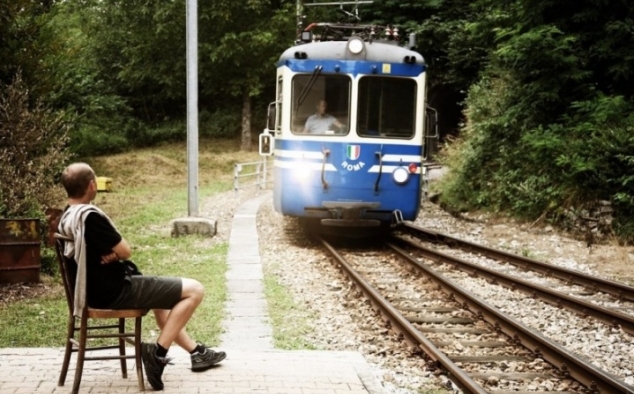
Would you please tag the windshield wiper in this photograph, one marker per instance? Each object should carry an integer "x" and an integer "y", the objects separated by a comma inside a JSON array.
[{"x": 311, "y": 82}]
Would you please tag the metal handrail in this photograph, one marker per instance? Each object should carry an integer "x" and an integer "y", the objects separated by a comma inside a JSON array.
[{"x": 252, "y": 174}]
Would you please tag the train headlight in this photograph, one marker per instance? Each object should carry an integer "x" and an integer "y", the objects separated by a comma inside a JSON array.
[
  {"x": 301, "y": 173},
  {"x": 355, "y": 45},
  {"x": 400, "y": 175}
]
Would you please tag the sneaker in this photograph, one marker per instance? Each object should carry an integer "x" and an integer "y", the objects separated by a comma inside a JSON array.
[
  {"x": 153, "y": 364},
  {"x": 201, "y": 362}
]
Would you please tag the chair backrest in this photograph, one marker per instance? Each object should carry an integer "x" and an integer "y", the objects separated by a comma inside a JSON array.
[{"x": 67, "y": 276}]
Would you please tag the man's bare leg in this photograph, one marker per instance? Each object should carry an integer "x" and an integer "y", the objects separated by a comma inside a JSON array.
[{"x": 172, "y": 322}]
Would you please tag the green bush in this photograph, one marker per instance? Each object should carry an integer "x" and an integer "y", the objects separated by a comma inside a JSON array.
[
  {"x": 475, "y": 157},
  {"x": 93, "y": 140},
  {"x": 501, "y": 164},
  {"x": 168, "y": 131},
  {"x": 221, "y": 123},
  {"x": 33, "y": 151},
  {"x": 48, "y": 262}
]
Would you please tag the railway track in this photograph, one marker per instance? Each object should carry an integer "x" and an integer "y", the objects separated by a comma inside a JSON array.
[
  {"x": 608, "y": 301},
  {"x": 618, "y": 290},
  {"x": 481, "y": 349}
]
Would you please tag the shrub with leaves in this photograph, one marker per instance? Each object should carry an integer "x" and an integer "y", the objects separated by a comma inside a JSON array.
[
  {"x": 549, "y": 123},
  {"x": 583, "y": 159},
  {"x": 33, "y": 152}
]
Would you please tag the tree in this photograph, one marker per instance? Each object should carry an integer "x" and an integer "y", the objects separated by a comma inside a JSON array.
[
  {"x": 244, "y": 53},
  {"x": 138, "y": 48},
  {"x": 24, "y": 42}
]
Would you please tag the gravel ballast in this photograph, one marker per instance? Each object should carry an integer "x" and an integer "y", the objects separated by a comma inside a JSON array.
[{"x": 341, "y": 320}]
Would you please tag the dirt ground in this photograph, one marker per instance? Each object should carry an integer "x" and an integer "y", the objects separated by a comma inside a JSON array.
[{"x": 13, "y": 292}]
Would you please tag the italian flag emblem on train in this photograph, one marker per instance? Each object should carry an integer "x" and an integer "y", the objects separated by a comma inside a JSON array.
[{"x": 353, "y": 152}]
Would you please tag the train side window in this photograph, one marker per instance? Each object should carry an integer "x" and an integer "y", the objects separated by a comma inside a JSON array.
[
  {"x": 387, "y": 107},
  {"x": 278, "y": 109},
  {"x": 272, "y": 117}
]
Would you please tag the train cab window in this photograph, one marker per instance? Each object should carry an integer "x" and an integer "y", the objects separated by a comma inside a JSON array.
[
  {"x": 387, "y": 107},
  {"x": 321, "y": 104}
]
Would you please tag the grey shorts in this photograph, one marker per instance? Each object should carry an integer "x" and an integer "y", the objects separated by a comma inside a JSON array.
[{"x": 149, "y": 292}]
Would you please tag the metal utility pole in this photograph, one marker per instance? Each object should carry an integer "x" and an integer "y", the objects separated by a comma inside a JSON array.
[
  {"x": 300, "y": 17},
  {"x": 192, "y": 107}
]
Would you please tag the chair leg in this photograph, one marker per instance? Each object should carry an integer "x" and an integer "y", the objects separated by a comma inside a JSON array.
[
  {"x": 70, "y": 333},
  {"x": 137, "y": 353},
  {"x": 81, "y": 353},
  {"x": 124, "y": 365}
]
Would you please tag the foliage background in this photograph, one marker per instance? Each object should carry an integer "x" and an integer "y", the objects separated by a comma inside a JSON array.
[
  {"x": 538, "y": 93},
  {"x": 548, "y": 122}
]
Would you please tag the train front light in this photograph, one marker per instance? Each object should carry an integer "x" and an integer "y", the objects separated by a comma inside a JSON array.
[
  {"x": 301, "y": 173},
  {"x": 400, "y": 175},
  {"x": 355, "y": 45}
]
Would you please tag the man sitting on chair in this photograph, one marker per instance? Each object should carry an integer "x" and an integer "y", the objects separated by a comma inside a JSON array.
[
  {"x": 321, "y": 122},
  {"x": 97, "y": 252}
]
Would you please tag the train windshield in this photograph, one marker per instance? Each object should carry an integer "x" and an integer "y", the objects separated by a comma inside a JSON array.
[
  {"x": 387, "y": 107},
  {"x": 321, "y": 104}
]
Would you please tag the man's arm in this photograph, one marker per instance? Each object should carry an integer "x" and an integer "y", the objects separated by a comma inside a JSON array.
[
  {"x": 336, "y": 125},
  {"x": 122, "y": 250}
]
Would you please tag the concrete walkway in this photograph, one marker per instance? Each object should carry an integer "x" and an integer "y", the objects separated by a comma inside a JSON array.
[
  {"x": 247, "y": 325},
  {"x": 252, "y": 364}
]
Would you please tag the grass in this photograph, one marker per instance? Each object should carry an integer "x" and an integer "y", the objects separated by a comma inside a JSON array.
[
  {"x": 289, "y": 321},
  {"x": 149, "y": 190}
]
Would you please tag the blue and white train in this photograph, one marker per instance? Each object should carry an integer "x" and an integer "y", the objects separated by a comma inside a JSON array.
[{"x": 348, "y": 127}]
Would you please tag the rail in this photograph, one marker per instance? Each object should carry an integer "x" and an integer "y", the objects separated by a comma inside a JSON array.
[
  {"x": 607, "y": 316},
  {"x": 616, "y": 289},
  {"x": 402, "y": 325},
  {"x": 597, "y": 380},
  {"x": 256, "y": 174}
]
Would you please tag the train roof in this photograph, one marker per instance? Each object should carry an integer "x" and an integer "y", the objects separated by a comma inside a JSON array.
[{"x": 374, "y": 51}]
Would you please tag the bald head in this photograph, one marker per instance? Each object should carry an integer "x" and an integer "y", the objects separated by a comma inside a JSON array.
[{"x": 76, "y": 178}]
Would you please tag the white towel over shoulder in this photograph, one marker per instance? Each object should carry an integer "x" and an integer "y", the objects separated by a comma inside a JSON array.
[{"x": 72, "y": 224}]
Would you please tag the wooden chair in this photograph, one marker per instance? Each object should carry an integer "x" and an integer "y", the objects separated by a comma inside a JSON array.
[{"x": 86, "y": 331}]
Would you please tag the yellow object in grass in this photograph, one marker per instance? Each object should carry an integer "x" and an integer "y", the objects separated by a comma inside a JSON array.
[{"x": 104, "y": 184}]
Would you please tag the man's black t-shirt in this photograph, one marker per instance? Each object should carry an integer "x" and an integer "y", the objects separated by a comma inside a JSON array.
[{"x": 103, "y": 281}]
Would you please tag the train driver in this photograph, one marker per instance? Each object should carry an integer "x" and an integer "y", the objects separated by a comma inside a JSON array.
[{"x": 321, "y": 122}]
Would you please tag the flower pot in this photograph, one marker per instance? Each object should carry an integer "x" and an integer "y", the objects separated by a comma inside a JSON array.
[{"x": 19, "y": 250}]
